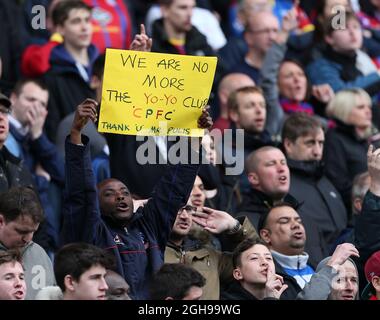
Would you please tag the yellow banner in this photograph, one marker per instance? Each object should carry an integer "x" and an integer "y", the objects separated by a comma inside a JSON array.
[{"x": 154, "y": 94}]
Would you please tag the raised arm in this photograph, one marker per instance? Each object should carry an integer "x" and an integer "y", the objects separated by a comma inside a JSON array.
[
  {"x": 269, "y": 73},
  {"x": 81, "y": 215},
  {"x": 367, "y": 227},
  {"x": 42, "y": 148},
  {"x": 319, "y": 286},
  {"x": 235, "y": 231},
  {"x": 172, "y": 191},
  {"x": 141, "y": 42}
]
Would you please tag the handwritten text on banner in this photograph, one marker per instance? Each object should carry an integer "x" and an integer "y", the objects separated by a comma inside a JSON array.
[{"x": 147, "y": 93}]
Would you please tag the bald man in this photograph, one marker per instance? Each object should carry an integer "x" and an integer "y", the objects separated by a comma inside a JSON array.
[
  {"x": 260, "y": 33},
  {"x": 236, "y": 47},
  {"x": 227, "y": 85}
]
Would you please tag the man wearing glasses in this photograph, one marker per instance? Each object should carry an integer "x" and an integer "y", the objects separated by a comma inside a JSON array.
[
  {"x": 13, "y": 173},
  {"x": 260, "y": 33},
  {"x": 184, "y": 247}
]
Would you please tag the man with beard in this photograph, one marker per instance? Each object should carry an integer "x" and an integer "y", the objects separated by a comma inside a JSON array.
[
  {"x": 303, "y": 140},
  {"x": 283, "y": 232},
  {"x": 105, "y": 216}
]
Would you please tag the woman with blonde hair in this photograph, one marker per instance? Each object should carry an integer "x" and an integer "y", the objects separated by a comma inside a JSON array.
[{"x": 346, "y": 145}]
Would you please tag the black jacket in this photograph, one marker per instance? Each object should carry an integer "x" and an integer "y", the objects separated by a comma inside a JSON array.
[
  {"x": 236, "y": 292},
  {"x": 10, "y": 44},
  {"x": 345, "y": 156},
  {"x": 320, "y": 200},
  {"x": 257, "y": 203},
  {"x": 367, "y": 227},
  {"x": 367, "y": 232},
  {"x": 228, "y": 196},
  {"x": 293, "y": 288},
  {"x": 195, "y": 45},
  {"x": 66, "y": 87},
  {"x": 13, "y": 172},
  {"x": 254, "y": 204}
]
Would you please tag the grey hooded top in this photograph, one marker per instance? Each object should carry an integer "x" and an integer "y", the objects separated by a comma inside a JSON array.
[
  {"x": 319, "y": 287},
  {"x": 38, "y": 268}
]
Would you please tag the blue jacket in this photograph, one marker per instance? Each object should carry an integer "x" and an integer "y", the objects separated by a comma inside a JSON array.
[
  {"x": 139, "y": 248},
  {"x": 42, "y": 151},
  {"x": 327, "y": 71}
]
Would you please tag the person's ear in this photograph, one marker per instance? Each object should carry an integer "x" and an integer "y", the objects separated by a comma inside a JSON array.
[
  {"x": 69, "y": 283},
  {"x": 223, "y": 98},
  {"x": 95, "y": 82},
  {"x": 265, "y": 235},
  {"x": 60, "y": 29},
  {"x": 233, "y": 115},
  {"x": 13, "y": 98},
  {"x": 164, "y": 11},
  {"x": 287, "y": 145},
  {"x": 242, "y": 16},
  {"x": 248, "y": 39},
  {"x": 2, "y": 220},
  {"x": 237, "y": 274},
  {"x": 358, "y": 204},
  {"x": 253, "y": 179},
  {"x": 376, "y": 283},
  {"x": 329, "y": 39}
]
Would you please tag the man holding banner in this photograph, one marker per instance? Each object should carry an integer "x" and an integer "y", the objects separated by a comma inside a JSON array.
[{"x": 105, "y": 216}]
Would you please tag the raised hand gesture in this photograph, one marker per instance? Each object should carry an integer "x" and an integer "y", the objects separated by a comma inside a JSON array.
[
  {"x": 141, "y": 42},
  {"x": 205, "y": 120},
  {"x": 87, "y": 110},
  {"x": 274, "y": 287},
  {"x": 342, "y": 253},
  {"x": 214, "y": 221},
  {"x": 373, "y": 161}
]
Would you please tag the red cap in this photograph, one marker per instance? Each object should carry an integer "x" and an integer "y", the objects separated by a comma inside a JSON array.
[
  {"x": 372, "y": 266},
  {"x": 371, "y": 269}
]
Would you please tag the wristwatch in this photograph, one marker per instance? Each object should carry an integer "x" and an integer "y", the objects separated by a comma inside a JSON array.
[{"x": 235, "y": 229}]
